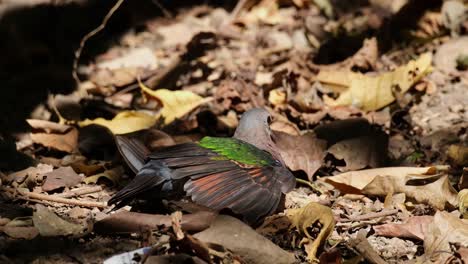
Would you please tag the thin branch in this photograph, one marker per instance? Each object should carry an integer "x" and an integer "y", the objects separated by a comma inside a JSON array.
[
  {"x": 370, "y": 215},
  {"x": 90, "y": 35},
  {"x": 80, "y": 191},
  {"x": 26, "y": 195}
]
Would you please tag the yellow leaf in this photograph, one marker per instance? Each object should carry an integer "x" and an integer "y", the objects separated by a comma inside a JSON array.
[
  {"x": 463, "y": 203},
  {"x": 374, "y": 92},
  {"x": 277, "y": 97},
  {"x": 176, "y": 104},
  {"x": 304, "y": 218},
  {"x": 124, "y": 122},
  {"x": 425, "y": 185}
]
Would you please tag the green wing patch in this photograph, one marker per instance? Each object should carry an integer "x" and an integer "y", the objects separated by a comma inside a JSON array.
[{"x": 237, "y": 150}]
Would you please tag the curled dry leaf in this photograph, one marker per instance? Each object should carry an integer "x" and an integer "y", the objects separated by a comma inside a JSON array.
[
  {"x": 304, "y": 152},
  {"x": 414, "y": 227},
  {"x": 446, "y": 229},
  {"x": 374, "y": 92},
  {"x": 304, "y": 218},
  {"x": 61, "y": 177},
  {"x": 124, "y": 122},
  {"x": 424, "y": 185},
  {"x": 176, "y": 104}
]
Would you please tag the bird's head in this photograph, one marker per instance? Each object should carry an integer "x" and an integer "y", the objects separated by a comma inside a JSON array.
[{"x": 254, "y": 128}]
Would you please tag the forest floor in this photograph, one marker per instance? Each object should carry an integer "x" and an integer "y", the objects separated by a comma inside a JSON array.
[{"x": 369, "y": 104}]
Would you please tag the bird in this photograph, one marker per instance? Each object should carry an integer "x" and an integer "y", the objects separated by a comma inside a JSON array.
[{"x": 244, "y": 173}]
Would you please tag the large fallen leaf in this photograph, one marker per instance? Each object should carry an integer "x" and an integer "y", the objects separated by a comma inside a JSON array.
[
  {"x": 374, "y": 92},
  {"x": 242, "y": 240},
  {"x": 304, "y": 152},
  {"x": 67, "y": 141},
  {"x": 304, "y": 218},
  {"x": 413, "y": 227},
  {"x": 61, "y": 177},
  {"x": 446, "y": 229},
  {"x": 124, "y": 122},
  {"x": 24, "y": 232},
  {"x": 49, "y": 224},
  {"x": 424, "y": 185},
  {"x": 176, "y": 104},
  {"x": 20, "y": 227}
]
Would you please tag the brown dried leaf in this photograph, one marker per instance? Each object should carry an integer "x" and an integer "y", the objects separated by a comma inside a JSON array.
[
  {"x": 446, "y": 229},
  {"x": 49, "y": 224},
  {"x": 64, "y": 142},
  {"x": 34, "y": 173},
  {"x": 304, "y": 152},
  {"x": 425, "y": 185},
  {"x": 61, "y": 177},
  {"x": 238, "y": 95},
  {"x": 414, "y": 227},
  {"x": 242, "y": 240},
  {"x": 24, "y": 232},
  {"x": 361, "y": 152},
  {"x": 446, "y": 56}
]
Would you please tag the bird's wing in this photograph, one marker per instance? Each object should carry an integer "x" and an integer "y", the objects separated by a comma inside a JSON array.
[{"x": 252, "y": 189}]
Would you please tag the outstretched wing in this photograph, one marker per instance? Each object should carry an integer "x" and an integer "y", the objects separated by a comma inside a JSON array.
[{"x": 240, "y": 177}]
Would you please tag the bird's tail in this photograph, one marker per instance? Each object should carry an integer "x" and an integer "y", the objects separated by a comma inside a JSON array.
[
  {"x": 153, "y": 174},
  {"x": 133, "y": 151}
]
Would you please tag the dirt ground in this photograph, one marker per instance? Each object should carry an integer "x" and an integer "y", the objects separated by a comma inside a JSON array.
[{"x": 368, "y": 101}]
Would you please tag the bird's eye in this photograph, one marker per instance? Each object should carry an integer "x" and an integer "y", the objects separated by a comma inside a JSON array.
[{"x": 269, "y": 120}]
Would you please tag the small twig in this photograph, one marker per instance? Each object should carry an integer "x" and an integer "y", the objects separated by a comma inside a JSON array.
[
  {"x": 26, "y": 195},
  {"x": 62, "y": 120},
  {"x": 370, "y": 215},
  {"x": 362, "y": 245},
  {"x": 80, "y": 191},
  {"x": 90, "y": 35}
]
